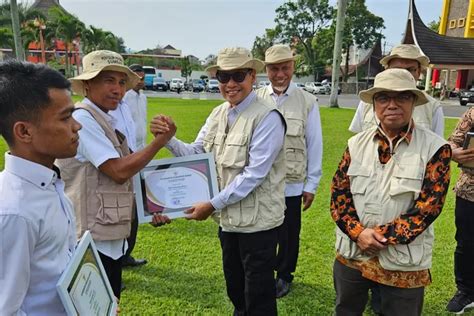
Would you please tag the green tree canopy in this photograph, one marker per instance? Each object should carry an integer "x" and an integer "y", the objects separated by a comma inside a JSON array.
[{"x": 298, "y": 22}]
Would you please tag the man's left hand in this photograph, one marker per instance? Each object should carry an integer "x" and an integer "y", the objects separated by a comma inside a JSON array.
[
  {"x": 307, "y": 200},
  {"x": 200, "y": 211},
  {"x": 159, "y": 220}
]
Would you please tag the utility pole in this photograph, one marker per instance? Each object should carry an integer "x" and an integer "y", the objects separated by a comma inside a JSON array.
[
  {"x": 336, "y": 64},
  {"x": 20, "y": 53}
]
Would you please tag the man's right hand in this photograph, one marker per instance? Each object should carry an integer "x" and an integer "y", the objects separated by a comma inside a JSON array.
[
  {"x": 371, "y": 242},
  {"x": 463, "y": 155},
  {"x": 162, "y": 124}
]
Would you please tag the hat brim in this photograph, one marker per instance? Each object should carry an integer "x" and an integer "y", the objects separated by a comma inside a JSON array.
[
  {"x": 423, "y": 60},
  {"x": 278, "y": 61},
  {"x": 368, "y": 95},
  {"x": 77, "y": 83},
  {"x": 256, "y": 64}
]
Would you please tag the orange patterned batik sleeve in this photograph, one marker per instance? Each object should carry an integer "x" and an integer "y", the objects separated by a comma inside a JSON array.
[{"x": 343, "y": 211}]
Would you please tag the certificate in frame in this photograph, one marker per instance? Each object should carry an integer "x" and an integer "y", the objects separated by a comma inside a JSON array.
[
  {"x": 170, "y": 186},
  {"x": 84, "y": 288}
]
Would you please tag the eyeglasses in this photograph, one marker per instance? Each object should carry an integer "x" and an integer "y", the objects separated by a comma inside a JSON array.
[
  {"x": 237, "y": 76},
  {"x": 399, "y": 98}
]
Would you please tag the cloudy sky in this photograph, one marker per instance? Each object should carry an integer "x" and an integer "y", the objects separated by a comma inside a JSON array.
[{"x": 202, "y": 27}]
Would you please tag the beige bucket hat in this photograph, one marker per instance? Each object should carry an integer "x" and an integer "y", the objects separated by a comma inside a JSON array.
[
  {"x": 235, "y": 58},
  {"x": 278, "y": 53},
  {"x": 101, "y": 60},
  {"x": 406, "y": 51},
  {"x": 394, "y": 80}
]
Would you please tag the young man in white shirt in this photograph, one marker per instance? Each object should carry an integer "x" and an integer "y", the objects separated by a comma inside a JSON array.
[
  {"x": 37, "y": 225},
  {"x": 98, "y": 178},
  {"x": 137, "y": 105}
]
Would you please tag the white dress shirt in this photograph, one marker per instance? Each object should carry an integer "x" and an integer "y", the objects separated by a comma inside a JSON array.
[
  {"x": 38, "y": 237},
  {"x": 265, "y": 144},
  {"x": 125, "y": 124},
  {"x": 357, "y": 124},
  {"x": 137, "y": 104},
  {"x": 95, "y": 147},
  {"x": 314, "y": 145}
]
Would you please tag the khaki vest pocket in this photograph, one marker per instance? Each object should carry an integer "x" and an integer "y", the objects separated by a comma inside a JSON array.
[
  {"x": 294, "y": 127},
  {"x": 235, "y": 151},
  {"x": 345, "y": 246},
  {"x": 115, "y": 208},
  {"x": 407, "y": 179},
  {"x": 405, "y": 255},
  {"x": 243, "y": 213}
]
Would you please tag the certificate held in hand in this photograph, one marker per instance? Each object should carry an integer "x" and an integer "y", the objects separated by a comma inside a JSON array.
[{"x": 170, "y": 186}]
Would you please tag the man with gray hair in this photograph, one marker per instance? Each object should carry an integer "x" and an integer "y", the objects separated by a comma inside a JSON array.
[
  {"x": 303, "y": 149},
  {"x": 429, "y": 115}
]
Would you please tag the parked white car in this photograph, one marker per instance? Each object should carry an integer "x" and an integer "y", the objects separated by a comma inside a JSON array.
[
  {"x": 213, "y": 85},
  {"x": 176, "y": 84},
  {"x": 262, "y": 84},
  {"x": 315, "y": 88}
]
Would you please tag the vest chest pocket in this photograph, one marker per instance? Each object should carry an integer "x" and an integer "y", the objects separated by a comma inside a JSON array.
[
  {"x": 359, "y": 177},
  {"x": 235, "y": 151},
  {"x": 115, "y": 208},
  {"x": 294, "y": 127},
  {"x": 208, "y": 142},
  {"x": 407, "y": 180},
  {"x": 405, "y": 255}
]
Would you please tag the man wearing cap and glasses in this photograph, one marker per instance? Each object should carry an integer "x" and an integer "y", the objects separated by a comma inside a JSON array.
[
  {"x": 428, "y": 115},
  {"x": 246, "y": 136},
  {"x": 98, "y": 178},
  {"x": 389, "y": 187},
  {"x": 304, "y": 149}
]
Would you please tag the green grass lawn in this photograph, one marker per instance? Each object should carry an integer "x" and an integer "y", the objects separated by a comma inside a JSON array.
[{"x": 184, "y": 273}]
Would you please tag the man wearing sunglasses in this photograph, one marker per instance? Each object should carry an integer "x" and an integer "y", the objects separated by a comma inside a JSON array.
[
  {"x": 429, "y": 115},
  {"x": 303, "y": 148},
  {"x": 246, "y": 136},
  {"x": 390, "y": 186}
]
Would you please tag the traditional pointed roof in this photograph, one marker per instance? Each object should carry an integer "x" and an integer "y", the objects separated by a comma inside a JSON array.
[
  {"x": 44, "y": 5},
  {"x": 442, "y": 50}
]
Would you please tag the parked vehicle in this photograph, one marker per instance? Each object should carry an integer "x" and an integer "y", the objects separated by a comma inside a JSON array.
[
  {"x": 176, "y": 84},
  {"x": 150, "y": 74},
  {"x": 315, "y": 88},
  {"x": 213, "y": 85},
  {"x": 197, "y": 85},
  {"x": 466, "y": 97},
  {"x": 159, "y": 83},
  {"x": 300, "y": 85},
  {"x": 328, "y": 88},
  {"x": 262, "y": 84}
]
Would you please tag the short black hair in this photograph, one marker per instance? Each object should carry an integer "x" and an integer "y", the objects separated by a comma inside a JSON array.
[
  {"x": 136, "y": 68},
  {"x": 24, "y": 93}
]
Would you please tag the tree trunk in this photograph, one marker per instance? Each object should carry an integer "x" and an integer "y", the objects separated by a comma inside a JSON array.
[
  {"x": 346, "y": 67},
  {"x": 336, "y": 64},
  {"x": 20, "y": 53},
  {"x": 68, "y": 71}
]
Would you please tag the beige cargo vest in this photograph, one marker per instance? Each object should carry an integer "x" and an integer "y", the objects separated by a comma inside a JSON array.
[
  {"x": 101, "y": 205},
  {"x": 295, "y": 110},
  {"x": 382, "y": 193},
  {"x": 422, "y": 114},
  {"x": 264, "y": 207}
]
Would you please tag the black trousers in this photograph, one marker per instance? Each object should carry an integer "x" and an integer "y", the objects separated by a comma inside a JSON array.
[
  {"x": 132, "y": 239},
  {"x": 113, "y": 269},
  {"x": 248, "y": 262},
  {"x": 464, "y": 253},
  {"x": 289, "y": 239},
  {"x": 352, "y": 291}
]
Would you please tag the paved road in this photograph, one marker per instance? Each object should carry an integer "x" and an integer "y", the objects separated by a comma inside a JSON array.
[{"x": 451, "y": 108}]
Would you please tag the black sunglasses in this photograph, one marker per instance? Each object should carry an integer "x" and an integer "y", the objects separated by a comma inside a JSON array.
[{"x": 237, "y": 76}]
